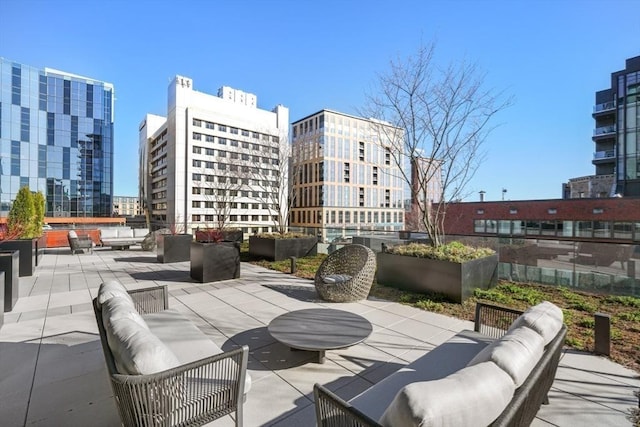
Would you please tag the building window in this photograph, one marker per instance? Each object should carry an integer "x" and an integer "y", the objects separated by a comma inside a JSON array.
[
  {"x": 222, "y": 128},
  {"x": 552, "y": 211},
  {"x": 195, "y": 218},
  {"x": 361, "y": 151},
  {"x": 480, "y": 211},
  {"x": 375, "y": 175},
  {"x": 197, "y": 136},
  {"x": 197, "y": 122},
  {"x": 478, "y": 225},
  {"x": 597, "y": 211},
  {"x": 513, "y": 211}
]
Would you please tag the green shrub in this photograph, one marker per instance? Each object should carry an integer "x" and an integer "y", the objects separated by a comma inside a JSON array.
[
  {"x": 39, "y": 205},
  {"x": 21, "y": 220},
  {"x": 624, "y": 300},
  {"x": 429, "y": 305},
  {"x": 454, "y": 251}
]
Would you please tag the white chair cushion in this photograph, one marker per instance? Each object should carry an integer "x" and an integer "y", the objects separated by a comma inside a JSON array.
[
  {"x": 125, "y": 233},
  {"x": 544, "y": 318},
  {"x": 140, "y": 232},
  {"x": 473, "y": 396},
  {"x": 73, "y": 234},
  {"x": 332, "y": 279},
  {"x": 516, "y": 353},
  {"x": 108, "y": 233},
  {"x": 136, "y": 351},
  {"x": 110, "y": 289}
]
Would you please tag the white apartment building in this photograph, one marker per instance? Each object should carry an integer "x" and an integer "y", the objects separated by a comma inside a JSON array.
[
  {"x": 212, "y": 161},
  {"x": 343, "y": 175},
  {"x": 126, "y": 206}
]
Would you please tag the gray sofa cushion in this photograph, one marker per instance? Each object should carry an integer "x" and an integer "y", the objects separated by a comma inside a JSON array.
[
  {"x": 110, "y": 289},
  {"x": 125, "y": 233},
  {"x": 140, "y": 232},
  {"x": 544, "y": 318},
  {"x": 516, "y": 353},
  {"x": 473, "y": 396},
  {"x": 108, "y": 233},
  {"x": 445, "y": 359}
]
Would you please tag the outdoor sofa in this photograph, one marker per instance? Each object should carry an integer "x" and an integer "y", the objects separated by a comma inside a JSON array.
[
  {"x": 163, "y": 370},
  {"x": 122, "y": 237},
  {"x": 497, "y": 375}
]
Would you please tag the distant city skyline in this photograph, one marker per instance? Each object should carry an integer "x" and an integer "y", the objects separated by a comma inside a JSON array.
[{"x": 551, "y": 56}]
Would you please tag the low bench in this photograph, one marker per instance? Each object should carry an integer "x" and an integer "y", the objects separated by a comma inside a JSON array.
[
  {"x": 498, "y": 375},
  {"x": 122, "y": 237},
  {"x": 163, "y": 370}
]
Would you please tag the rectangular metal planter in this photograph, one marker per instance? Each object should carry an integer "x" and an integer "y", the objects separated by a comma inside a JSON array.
[
  {"x": 455, "y": 280},
  {"x": 41, "y": 245},
  {"x": 174, "y": 247},
  {"x": 10, "y": 265},
  {"x": 281, "y": 249},
  {"x": 27, "y": 248},
  {"x": 212, "y": 262},
  {"x": 1, "y": 298}
]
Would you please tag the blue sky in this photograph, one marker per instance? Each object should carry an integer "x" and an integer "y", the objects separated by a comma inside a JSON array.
[{"x": 552, "y": 56}]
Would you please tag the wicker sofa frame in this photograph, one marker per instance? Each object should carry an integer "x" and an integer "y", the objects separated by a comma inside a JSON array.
[
  {"x": 354, "y": 260},
  {"x": 185, "y": 395},
  {"x": 490, "y": 320}
]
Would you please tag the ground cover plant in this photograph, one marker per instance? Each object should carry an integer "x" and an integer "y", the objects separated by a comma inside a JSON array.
[{"x": 578, "y": 307}]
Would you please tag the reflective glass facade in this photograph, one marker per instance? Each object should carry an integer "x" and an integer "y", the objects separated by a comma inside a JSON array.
[{"x": 56, "y": 136}]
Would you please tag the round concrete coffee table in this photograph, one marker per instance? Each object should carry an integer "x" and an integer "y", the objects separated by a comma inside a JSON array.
[{"x": 319, "y": 329}]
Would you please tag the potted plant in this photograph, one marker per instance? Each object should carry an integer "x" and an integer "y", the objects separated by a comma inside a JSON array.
[
  {"x": 173, "y": 245},
  {"x": 452, "y": 269},
  {"x": 39, "y": 205},
  {"x": 213, "y": 258},
  {"x": 281, "y": 246},
  {"x": 23, "y": 229},
  {"x": 434, "y": 119}
]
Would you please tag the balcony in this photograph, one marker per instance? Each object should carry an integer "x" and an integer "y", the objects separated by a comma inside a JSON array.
[
  {"x": 604, "y": 131},
  {"x": 604, "y": 108},
  {"x": 603, "y": 156}
]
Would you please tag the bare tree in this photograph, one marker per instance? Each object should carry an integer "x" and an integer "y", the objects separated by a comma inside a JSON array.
[
  {"x": 218, "y": 192},
  {"x": 445, "y": 115},
  {"x": 271, "y": 178}
]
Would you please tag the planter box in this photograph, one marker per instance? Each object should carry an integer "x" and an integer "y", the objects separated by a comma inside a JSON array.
[
  {"x": 212, "y": 262},
  {"x": 174, "y": 247},
  {"x": 41, "y": 245},
  {"x": 229, "y": 236},
  {"x": 10, "y": 264},
  {"x": 1, "y": 298},
  {"x": 456, "y": 281},
  {"x": 281, "y": 249},
  {"x": 27, "y": 248}
]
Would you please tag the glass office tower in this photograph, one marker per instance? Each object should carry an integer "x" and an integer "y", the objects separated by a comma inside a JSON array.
[{"x": 56, "y": 136}]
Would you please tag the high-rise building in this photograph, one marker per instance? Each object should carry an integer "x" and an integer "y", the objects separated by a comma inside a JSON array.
[
  {"x": 213, "y": 161},
  {"x": 56, "y": 136},
  {"x": 126, "y": 206},
  {"x": 616, "y": 137},
  {"x": 343, "y": 175}
]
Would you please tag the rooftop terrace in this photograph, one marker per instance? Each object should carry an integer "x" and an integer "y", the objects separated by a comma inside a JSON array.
[{"x": 52, "y": 370}]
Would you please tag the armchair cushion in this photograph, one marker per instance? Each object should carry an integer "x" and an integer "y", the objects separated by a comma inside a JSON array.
[
  {"x": 332, "y": 279},
  {"x": 111, "y": 289}
]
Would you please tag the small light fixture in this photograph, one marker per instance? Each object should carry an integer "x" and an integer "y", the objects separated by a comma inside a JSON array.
[{"x": 552, "y": 211}]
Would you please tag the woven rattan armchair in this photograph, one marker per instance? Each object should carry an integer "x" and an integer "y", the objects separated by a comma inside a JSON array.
[{"x": 346, "y": 274}]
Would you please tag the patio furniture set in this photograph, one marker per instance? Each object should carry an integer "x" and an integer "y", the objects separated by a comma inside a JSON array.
[{"x": 164, "y": 371}]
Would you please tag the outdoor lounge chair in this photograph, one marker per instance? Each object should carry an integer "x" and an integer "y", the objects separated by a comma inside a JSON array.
[
  {"x": 346, "y": 274},
  {"x": 79, "y": 243}
]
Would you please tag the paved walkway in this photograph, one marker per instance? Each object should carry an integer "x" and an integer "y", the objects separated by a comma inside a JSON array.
[{"x": 52, "y": 370}]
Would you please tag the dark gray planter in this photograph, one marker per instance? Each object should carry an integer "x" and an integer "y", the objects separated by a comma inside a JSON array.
[
  {"x": 456, "y": 281},
  {"x": 281, "y": 249},
  {"x": 212, "y": 262},
  {"x": 41, "y": 245},
  {"x": 174, "y": 247},
  {"x": 27, "y": 248},
  {"x": 10, "y": 265},
  {"x": 1, "y": 298}
]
